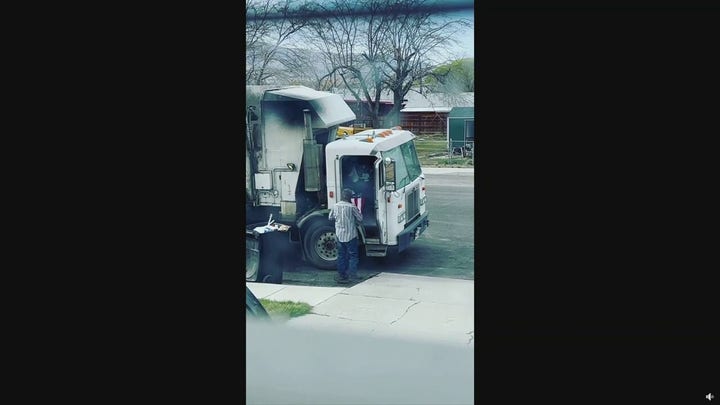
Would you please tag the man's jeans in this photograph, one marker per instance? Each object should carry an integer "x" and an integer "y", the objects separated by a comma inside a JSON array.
[{"x": 348, "y": 258}]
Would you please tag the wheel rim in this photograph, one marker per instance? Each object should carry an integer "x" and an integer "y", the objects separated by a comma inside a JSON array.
[{"x": 326, "y": 246}]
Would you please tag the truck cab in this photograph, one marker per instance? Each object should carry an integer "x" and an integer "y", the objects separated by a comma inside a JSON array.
[{"x": 382, "y": 168}]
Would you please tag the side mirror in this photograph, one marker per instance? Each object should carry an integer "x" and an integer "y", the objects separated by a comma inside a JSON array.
[{"x": 389, "y": 174}]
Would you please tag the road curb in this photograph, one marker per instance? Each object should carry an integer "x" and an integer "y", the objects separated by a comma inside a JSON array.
[{"x": 448, "y": 170}]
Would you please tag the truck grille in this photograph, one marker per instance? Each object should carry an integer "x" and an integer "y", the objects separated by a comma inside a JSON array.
[{"x": 412, "y": 202}]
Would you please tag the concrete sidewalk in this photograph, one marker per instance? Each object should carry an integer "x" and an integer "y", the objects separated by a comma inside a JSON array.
[{"x": 390, "y": 305}]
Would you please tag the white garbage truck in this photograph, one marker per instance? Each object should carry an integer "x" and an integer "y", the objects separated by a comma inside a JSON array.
[{"x": 297, "y": 165}]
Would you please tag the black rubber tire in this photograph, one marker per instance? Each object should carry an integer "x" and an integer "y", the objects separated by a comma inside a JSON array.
[{"x": 320, "y": 245}]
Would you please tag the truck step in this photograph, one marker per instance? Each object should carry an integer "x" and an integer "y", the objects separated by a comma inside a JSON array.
[{"x": 375, "y": 250}]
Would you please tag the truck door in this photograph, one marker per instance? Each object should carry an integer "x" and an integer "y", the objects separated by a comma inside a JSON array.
[
  {"x": 337, "y": 184},
  {"x": 381, "y": 203}
]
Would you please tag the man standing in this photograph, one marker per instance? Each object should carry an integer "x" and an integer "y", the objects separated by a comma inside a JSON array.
[{"x": 346, "y": 217}]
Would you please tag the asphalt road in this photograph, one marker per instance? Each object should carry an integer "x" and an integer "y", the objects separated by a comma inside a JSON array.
[{"x": 445, "y": 249}]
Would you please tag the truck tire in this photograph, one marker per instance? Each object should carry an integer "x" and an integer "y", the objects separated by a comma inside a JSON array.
[{"x": 320, "y": 245}]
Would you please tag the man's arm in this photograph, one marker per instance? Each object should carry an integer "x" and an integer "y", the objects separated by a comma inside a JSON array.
[
  {"x": 357, "y": 214},
  {"x": 331, "y": 215}
]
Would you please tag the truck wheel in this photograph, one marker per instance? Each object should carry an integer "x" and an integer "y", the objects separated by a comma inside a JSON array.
[{"x": 320, "y": 246}]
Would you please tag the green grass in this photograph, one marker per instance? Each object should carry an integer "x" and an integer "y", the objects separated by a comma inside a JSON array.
[
  {"x": 457, "y": 161},
  {"x": 432, "y": 152},
  {"x": 285, "y": 309},
  {"x": 425, "y": 148}
]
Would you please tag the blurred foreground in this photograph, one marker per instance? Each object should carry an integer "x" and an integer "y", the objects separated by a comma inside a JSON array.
[{"x": 288, "y": 365}]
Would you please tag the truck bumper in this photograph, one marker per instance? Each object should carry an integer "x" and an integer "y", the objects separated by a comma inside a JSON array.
[{"x": 415, "y": 229}]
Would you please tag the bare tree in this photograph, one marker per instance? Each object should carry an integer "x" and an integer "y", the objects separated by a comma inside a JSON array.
[
  {"x": 265, "y": 36},
  {"x": 413, "y": 48},
  {"x": 306, "y": 67},
  {"x": 378, "y": 45},
  {"x": 257, "y": 27},
  {"x": 255, "y": 30},
  {"x": 367, "y": 46},
  {"x": 350, "y": 44}
]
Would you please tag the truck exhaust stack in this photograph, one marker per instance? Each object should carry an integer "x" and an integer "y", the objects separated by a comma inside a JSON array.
[{"x": 311, "y": 156}]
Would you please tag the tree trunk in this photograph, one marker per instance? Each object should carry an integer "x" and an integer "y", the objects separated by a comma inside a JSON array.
[
  {"x": 393, "y": 117},
  {"x": 374, "y": 114}
]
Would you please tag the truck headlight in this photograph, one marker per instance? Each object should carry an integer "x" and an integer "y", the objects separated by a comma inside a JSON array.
[{"x": 401, "y": 217}]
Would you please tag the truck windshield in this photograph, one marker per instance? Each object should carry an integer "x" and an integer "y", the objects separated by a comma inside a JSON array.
[{"x": 407, "y": 164}]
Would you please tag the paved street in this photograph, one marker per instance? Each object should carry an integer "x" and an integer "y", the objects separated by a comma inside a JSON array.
[{"x": 446, "y": 249}]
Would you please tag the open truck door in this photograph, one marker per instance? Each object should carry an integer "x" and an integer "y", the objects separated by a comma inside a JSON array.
[{"x": 381, "y": 206}]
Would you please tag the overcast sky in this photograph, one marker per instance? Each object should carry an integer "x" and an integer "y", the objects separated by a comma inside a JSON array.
[{"x": 466, "y": 43}]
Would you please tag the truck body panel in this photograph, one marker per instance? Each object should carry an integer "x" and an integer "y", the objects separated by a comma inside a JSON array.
[{"x": 299, "y": 167}]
